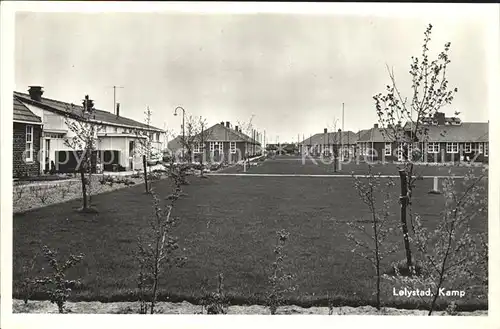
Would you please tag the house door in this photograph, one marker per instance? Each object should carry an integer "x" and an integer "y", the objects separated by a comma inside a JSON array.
[
  {"x": 131, "y": 151},
  {"x": 401, "y": 154},
  {"x": 46, "y": 159}
]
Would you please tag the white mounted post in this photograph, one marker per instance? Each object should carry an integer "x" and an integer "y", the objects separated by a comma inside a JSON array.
[
  {"x": 435, "y": 189},
  {"x": 245, "y": 166}
]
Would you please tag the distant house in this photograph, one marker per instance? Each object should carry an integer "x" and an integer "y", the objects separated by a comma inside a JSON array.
[
  {"x": 284, "y": 148},
  {"x": 449, "y": 139},
  {"x": 442, "y": 140},
  {"x": 27, "y": 132},
  {"x": 221, "y": 142},
  {"x": 373, "y": 143},
  {"x": 175, "y": 144},
  {"x": 327, "y": 142},
  {"x": 118, "y": 137}
]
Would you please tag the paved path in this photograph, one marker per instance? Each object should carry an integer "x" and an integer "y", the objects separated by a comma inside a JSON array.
[
  {"x": 325, "y": 176},
  {"x": 46, "y": 183}
]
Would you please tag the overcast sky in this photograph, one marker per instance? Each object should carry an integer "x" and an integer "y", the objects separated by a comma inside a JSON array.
[{"x": 293, "y": 72}]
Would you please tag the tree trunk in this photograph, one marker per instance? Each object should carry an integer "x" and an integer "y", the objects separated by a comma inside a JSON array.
[
  {"x": 84, "y": 187},
  {"x": 404, "y": 226},
  {"x": 145, "y": 165}
]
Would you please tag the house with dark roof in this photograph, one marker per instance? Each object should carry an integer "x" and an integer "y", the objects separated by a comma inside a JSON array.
[
  {"x": 27, "y": 132},
  {"x": 376, "y": 145},
  {"x": 119, "y": 138},
  {"x": 327, "y": 143},
  {"x": 440, "y": 139},
  {"x": 221, "y": 142},
  {"x": 450, "y": 140}
]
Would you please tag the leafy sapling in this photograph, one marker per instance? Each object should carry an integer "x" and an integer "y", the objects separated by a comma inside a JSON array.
[
  {"x": 56, "y": 285},
  {"x": 372, "y": 245},
  {"x": 158, "y": 251},
  {"x": 452, "y": 255},
  {"x": 280, "y": 281},
  {"x": 404, "y": 120}
]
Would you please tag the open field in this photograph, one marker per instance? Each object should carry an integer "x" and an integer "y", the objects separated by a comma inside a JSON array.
[{"x": 228, "y": 225}]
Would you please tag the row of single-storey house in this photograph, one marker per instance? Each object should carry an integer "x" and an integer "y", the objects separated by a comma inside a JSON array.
[
  {"x": 221, "y": 142},
  {"x": 41, "y": 132},
  {"x": 440, "y": 139}
]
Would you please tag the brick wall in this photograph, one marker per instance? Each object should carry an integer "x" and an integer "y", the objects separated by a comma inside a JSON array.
[{"x": 19, "y": 167}]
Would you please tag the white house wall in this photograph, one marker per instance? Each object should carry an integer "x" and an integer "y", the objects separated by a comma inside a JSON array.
[{"x": 54, "y": 122}]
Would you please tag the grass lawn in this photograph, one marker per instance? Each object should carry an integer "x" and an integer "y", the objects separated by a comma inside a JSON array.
[
  {"x": 227, "y": 225},
  {"x": 295, "y": 165}
]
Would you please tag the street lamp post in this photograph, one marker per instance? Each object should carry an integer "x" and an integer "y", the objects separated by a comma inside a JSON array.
[{"x": 183, "y": 134}]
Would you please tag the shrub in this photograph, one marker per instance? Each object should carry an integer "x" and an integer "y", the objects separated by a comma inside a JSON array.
[
  {"x": 18, "y": 193},
  {"x": 401, "y": 268},
  {"x": 56, "y": 285},
  {"x": 28, "y": 285},
  {"x": 215, "y": 302},
  {"x": 42, "y": 193}
]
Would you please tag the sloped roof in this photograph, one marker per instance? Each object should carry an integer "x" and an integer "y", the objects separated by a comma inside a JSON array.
[
  {"x": 216, "y": 133},
  {"x": 76, "y": 110},
  {"x": 466, "y": 132},
  {"x": 175, "y": 144},
  {"x": 244, "y": 136},
  {"x": 23, "y": 113},
  {"x": 347, "y": 137},
  {"x": 219, "y": 133},
  {"x": 374, "y": 135}
]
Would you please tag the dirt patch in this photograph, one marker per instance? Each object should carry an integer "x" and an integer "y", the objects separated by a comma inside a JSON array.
[{"x": 44, "y": 307}]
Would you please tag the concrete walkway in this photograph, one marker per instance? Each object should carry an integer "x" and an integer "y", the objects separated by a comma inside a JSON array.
[{"x": 46, "y": 183}]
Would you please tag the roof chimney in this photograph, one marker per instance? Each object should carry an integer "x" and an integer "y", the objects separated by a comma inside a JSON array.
[
  {"x": 236, "y": 128},
  {"x": 117, "y": 109},
  {"x": 222, "y": 122},
  {"x": 88, "y": 104},
  {"x": 36, "y": 93},
  {"x": 375, "y": 125},
  {"x": 325, "y": 130},
  {"x": 439, "y": 116},
  {"x": 228, "y": 124}
]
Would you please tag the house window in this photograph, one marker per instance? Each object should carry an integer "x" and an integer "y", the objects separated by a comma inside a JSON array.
[
  {"x": 196, "y": 148},
  {"x": 215, "y": 146},
  {"x": 232, "y": 147},
  {"x": 451, "y": 147},
  {"x": 433, "y": 148},
  {"x": 468, "y": 147},
  {"x": 29, "y": 143},
  {"x": 388, "y": 149},
  {"x": 157, "y": 137},
  {"x": 116, "y": 129},
  {"x": 485, "y": 149}
]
